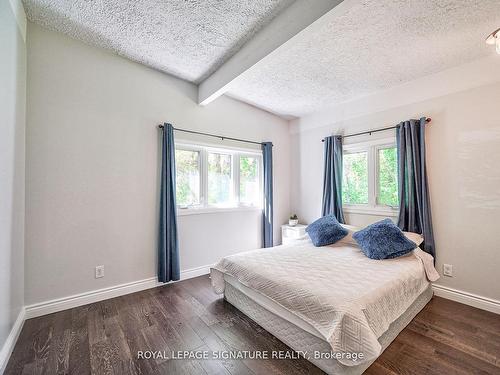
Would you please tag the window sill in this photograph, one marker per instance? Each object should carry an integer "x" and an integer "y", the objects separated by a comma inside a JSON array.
[
  {"x": 214, "y": 210},
  {"x": 374, "y": 211}
]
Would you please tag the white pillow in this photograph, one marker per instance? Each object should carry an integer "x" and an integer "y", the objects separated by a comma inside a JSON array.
[
  {"x": 348, "y": 240},
  {"x": 414, "y": 237}
]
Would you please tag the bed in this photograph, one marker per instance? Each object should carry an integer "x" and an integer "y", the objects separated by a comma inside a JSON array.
[{"x": 332, "y": 303}]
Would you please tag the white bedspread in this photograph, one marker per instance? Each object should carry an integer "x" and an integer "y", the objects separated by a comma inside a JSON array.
[{"x": 350, "y": 299}]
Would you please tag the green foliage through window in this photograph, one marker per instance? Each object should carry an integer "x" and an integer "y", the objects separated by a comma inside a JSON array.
[
  {"x": 355, "y": 178},
  {"x": 187, "y": 166},
  {"x": 387, "y": 177},
  {"x": 209, "y": 177},
  {"x": 219, "y": 178},
  {"x": 249, "y": 180}
]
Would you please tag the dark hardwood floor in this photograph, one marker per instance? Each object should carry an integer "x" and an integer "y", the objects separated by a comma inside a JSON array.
[{"x": 105, "y": 338}]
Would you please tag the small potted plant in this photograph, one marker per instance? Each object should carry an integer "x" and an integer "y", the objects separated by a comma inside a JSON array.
[{"x": 293, "y": 221}]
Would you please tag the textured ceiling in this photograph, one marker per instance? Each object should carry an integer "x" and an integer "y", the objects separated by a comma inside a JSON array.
[
  {"x": 369, "y": 46},
  {"x": 374, "y": 45},
  {"x": 186, "y": 38}
]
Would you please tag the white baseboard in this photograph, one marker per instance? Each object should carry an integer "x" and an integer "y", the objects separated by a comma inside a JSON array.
[
  {"x": 467, "y": 298},
  {"x": 11, "y": 340},
  {"x": 55, "y": 305}
]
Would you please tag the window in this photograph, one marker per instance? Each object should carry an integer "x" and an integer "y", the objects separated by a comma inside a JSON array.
[
  {"x": 250, "y": 180},
  {"x": 369, "y": 181},
  {"x": 387, "y": 173},
  {"x": 220, "y": 176},
  {"x": 355, "y": 178},
  {"x": 187, "y": 169},
  {"x": 209, "y": 177}
]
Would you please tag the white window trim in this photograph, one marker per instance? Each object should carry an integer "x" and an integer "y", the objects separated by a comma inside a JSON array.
[
  {"x": 371, "y": 148},
  {"x": 215, "y": 210},
  {"x": 261, "y": 179},
  {"x": 235, "y": 152}
]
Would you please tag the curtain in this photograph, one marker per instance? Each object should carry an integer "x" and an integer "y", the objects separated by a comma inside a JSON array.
[
  {"x": 414, "y": 206},
  {"x": 267, "y": 215},
  {"x": 168, "y": 246},
  {"x": 332, "y": 178}
]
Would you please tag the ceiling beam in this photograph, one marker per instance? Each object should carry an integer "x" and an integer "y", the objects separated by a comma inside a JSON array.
[{"x": 291, "y": 21}]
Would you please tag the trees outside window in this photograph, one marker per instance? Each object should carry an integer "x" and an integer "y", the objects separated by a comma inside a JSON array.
[
  {"x": 209, "y": 177},
  {"x": 369, "y": 180},
  {"x": 387, "y": 177},
  {"x": 187, "y": 169},
  {"x": 355, "y": 178}
]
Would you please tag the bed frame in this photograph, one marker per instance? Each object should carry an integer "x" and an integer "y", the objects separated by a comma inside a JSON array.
[{"x": 300, "y": 340}]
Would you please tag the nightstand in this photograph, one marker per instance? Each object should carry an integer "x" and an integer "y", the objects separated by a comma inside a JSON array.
[{"x": 291, "y": 234}]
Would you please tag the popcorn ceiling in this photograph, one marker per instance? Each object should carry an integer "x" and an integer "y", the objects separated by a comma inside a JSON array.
[
  {"x": 374, "y": 46},
  {"x": 189, "y": 39}
]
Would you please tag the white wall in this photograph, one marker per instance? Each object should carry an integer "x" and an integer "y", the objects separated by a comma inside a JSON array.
[
  {"x": 92, "y": 168},
  {"x": 463, "y": 159},
  {"x": 92, "y": 165},
  {"x": 12, "y": 129}
]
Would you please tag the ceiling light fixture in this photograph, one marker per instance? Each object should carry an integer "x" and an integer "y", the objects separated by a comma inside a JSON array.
[{"x": 494, "y": 39}]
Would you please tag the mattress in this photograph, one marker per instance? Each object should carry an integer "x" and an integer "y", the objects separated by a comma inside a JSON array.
[
  {"x": 334, "y": 293},
  {"x": 271, "y": 306},
  {"x": 301, "y": 336}
]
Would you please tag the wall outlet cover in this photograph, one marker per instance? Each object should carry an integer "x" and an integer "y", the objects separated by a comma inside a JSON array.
[
  {"x": 99, "y": 272},
  {"x": 448, "y": 270}
]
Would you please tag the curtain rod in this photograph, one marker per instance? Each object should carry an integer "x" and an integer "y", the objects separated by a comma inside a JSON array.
[
  {"x": 427, "y": 120},
  {"x": 215, "y": 136}
]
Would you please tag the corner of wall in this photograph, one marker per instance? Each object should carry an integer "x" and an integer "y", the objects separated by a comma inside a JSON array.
[
  {"x": 10, "y": 342},
  {"x": 13, "y": 113}
]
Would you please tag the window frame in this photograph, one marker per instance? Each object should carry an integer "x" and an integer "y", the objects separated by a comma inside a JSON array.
[
  {"x": 260, "y": 175},
  {"x": 232, "y": 198},
  {"x": 194, "y": 148},
  {"x": 372, "y": 148},
  {"x": 377, "y": 173},
  {"x": 235, "y": 153},
  {"x": 356, "y": 150}
]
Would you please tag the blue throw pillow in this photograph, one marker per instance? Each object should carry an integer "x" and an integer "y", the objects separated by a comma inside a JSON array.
[
  {"x": 326, "y": 230},
  {"x": 383, "y": 240}
]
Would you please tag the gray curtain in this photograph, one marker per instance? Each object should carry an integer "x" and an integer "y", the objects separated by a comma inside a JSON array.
[
  {"x": 168, "y": 246},
  {"x": 267, "y": 215},
  {"x": 414, "y": 205},
  {"x": 332, "y": 178}
]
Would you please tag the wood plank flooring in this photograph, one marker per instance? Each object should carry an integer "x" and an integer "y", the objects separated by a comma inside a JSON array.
[{"x": 105, "y": 337}]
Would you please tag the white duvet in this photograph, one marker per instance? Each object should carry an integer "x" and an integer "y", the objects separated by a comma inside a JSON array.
[{"x": 348, "y": 298}]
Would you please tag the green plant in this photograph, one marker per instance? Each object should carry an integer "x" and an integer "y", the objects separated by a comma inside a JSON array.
[{"x": 294, "y": 217}]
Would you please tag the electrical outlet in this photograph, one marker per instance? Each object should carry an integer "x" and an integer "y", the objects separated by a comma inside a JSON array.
[
  {"x": 448, "y": 270},
  {"x": 99, "y": 272}
]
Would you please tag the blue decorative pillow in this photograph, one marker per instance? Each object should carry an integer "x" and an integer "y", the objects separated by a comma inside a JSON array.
[
  {"x": 383, "y": 240},
  {"x": 326, "y": 230}
]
